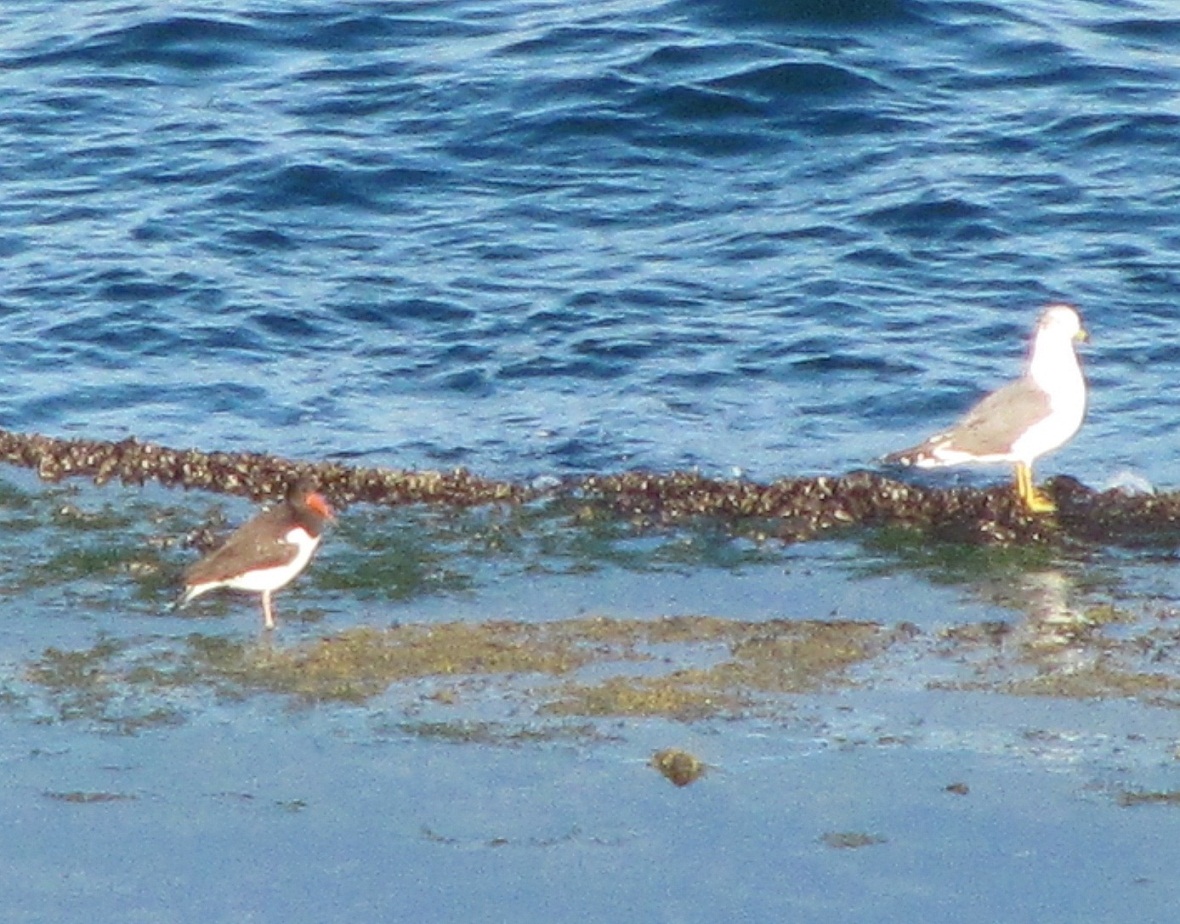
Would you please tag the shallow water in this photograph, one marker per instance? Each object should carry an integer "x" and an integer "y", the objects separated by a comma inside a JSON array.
[
  {"x": 891, "y": 730},
  {"x": 772, "y": 238}
]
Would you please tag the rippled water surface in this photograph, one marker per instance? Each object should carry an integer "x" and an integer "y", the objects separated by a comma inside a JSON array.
[
  {"x": 532, "y": 238},
  {"x": 526, "y": 237}
]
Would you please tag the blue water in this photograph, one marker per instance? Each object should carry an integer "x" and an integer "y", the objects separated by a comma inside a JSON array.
[{"x": 526, "y": 237}]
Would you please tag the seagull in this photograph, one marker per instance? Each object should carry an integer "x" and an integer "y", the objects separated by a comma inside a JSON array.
[
  {"x": 266, "y": 553},
  {"x": 1025, "y": 419}
]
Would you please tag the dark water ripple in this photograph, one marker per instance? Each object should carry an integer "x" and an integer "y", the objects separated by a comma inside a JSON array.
[{"x": 782, "y": 237}]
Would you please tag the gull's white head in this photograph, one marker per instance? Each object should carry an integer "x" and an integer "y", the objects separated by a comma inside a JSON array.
[
  {"x": 1053, "y": 364},
  {"x": 1061, "y": 324}
]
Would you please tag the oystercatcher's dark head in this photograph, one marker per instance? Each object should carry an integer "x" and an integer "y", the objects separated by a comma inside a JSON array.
[{"x": 309, "y": 508}]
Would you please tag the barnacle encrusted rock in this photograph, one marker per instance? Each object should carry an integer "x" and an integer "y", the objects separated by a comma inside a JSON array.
[{"x": 791, "y": 509}]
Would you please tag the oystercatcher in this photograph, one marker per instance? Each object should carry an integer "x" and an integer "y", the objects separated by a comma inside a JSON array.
[
  {"x": 267, "y": 552},
  {"x": 1023, "y": 420}
]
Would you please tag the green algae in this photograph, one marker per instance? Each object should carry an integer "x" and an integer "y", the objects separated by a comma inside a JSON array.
[
  {"x": 391, "y": 568},
  {"x": 357, "y": 664},
  {"x": 548, "y": 675},
  {"x": 120, "y": 683},
  {"x": 1131, "y": 799},
  {"x": 765, "y": 658},
  {"x": 82, "y": 681},
  {"x": 88, "y": 562},
  {"x": 851, "y": 840},
  {"x": 502, "y": 734},
  {"x": 686, "y": 696},
  {"x": 1099, "y": 681},
  {"x": 109, "y": 684},
  {"x": 678, "y": 767},
  {"x": 894, "y": 548},
  {"x": 78, "y": 797}
]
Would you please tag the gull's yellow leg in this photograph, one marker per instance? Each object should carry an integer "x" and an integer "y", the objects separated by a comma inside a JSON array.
[
  {"x": 1022, "y": 481},
  {"x": 1033, "y": 499}
]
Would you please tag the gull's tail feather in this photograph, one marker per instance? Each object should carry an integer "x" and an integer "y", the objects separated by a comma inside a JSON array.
[{"x": 915, "y": 455}]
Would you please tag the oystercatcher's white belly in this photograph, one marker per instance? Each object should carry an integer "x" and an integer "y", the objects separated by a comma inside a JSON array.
[{"x": 274, "y": 578}]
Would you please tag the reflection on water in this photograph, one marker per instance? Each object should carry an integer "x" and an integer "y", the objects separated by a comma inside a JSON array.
[
  {"x": 1050, "y": 629},
  {"x": 1057, "y": 633}
]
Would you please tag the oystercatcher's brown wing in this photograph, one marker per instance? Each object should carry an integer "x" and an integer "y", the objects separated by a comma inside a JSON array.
[{"x": 257, "y": 545}]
